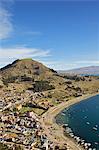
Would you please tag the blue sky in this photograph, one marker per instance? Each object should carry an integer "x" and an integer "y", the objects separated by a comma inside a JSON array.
[{"x": 60, "y": 34}]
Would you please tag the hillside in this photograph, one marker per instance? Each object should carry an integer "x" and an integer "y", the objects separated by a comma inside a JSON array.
[
  {"x": 24, "y": 73},
  {"x": 1, "y": 82},
  {"x": 91, "y": 70},
  {"x": 25, "y": 67}
]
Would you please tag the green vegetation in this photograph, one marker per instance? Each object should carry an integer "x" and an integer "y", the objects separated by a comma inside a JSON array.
[
  {"x": 18, "y": 147},
  {"x": 9, "y": 80},
  {"x": 40, "y": 86},
  {"x": 74, "y": 77},
  {"x": 26, "y": 59},
  {"x": 38, "y": 111},
  {"x": 25, "y": 109},
  {"x": 13, "y": 79},
  {"x": 4, "y": 147}
]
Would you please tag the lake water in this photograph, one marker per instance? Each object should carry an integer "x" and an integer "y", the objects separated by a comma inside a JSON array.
[{"x": 83, "y": 119}]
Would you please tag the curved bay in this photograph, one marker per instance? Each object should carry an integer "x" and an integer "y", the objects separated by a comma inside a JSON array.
[{"x": 83, "y": 119}]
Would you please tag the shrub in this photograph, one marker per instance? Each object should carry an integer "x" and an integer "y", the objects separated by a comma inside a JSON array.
[
  {"x": 4, "y": 147},
  {"x": 40, "y": 86}
]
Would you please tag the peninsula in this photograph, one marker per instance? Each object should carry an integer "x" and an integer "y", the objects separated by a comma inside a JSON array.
[{"x": 31, "y": 95}]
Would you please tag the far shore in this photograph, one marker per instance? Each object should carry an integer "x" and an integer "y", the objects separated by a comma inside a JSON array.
[{"x": 53, "y": 130}]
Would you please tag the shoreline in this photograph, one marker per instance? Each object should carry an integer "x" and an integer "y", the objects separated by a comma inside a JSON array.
[{"x": 54, "y": 131}]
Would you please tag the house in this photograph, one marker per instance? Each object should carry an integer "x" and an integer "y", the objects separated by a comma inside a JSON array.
[
  {"x": 32, "y": 115},
  {"x": 18, "y": 106},
  {"x": 1, "y": 104}
]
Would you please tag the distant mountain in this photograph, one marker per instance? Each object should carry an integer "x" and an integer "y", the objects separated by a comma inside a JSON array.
[{"x": 91, "y": 70}]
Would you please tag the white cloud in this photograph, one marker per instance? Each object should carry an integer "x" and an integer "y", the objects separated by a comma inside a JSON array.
[
  {"x": 60, "y": 65},
  {"x": 23, "y": 52},
  {"x": 33, "y": 33},
  {"x": 7, "y": 55},
  {"x": 88, "y": 62},
  {"x": 6, "y": 26}
]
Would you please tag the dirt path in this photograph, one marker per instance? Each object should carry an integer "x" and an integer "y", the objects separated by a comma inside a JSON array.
[{"x": 53, "y": 130}]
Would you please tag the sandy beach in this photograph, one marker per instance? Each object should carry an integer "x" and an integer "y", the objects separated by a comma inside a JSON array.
[{"x": 53, "y": 130}]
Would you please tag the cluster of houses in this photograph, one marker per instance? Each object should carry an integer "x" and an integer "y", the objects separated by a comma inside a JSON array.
[{"x": 22, "y": 129}]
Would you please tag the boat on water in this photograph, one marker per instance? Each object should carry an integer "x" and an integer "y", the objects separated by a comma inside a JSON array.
[{"x": 94, "y": 128}]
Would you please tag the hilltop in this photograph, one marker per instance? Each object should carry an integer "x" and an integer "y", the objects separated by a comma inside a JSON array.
[
  {"x": 24, "y": 73},
  {"x": 25, "y": 67}
]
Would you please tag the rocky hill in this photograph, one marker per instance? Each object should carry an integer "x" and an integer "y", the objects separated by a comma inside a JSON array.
[
  {"x": 25, "y": 67},
  {"x": 25, "y": 72}
]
